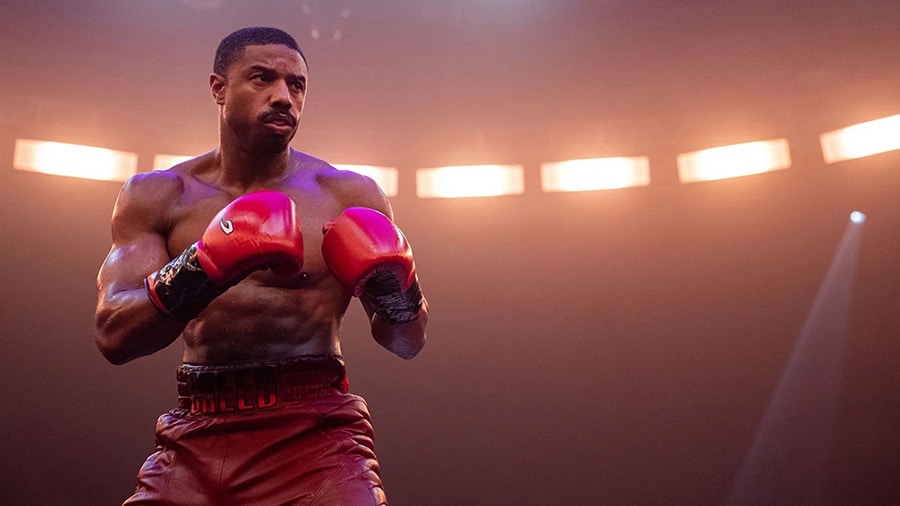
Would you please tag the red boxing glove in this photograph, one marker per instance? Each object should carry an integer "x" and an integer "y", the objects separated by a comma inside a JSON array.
[
  {"x": 256, "y": 231},
  {"x": 369, "y": 255}
]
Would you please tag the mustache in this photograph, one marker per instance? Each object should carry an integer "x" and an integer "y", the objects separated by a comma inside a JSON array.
[{"x": 275, "y": 116}]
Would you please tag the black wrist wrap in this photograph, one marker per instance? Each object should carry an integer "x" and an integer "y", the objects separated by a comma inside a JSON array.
[
  {"x": 181, "y": 289},
  {"x": 390, "y": 303}
]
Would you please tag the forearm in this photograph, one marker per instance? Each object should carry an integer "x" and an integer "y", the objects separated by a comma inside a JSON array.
[
  {"x": 129, "y": 326},
  {"x": 405, "y": 340}
]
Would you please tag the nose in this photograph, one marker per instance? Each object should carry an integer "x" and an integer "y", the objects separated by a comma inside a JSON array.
[{"x": 281, "y": 95}]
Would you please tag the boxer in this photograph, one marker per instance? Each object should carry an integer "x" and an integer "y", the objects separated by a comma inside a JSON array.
[{"x": 249, "y": 255}]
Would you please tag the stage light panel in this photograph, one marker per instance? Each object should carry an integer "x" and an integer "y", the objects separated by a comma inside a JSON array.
[
  {"x": 162, "y": 162},
  {"x": 74, "y": 160},
  {"x": 386, "y": 177},
  {"x": 470, "y": 181},
  {"x": 863, "y": 139},
  {"x": 595, "y": 174},
  {"x": 734, "y": 161}
]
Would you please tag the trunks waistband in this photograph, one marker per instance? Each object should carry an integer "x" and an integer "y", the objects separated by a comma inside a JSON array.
[{"x": 221, "y": 389}]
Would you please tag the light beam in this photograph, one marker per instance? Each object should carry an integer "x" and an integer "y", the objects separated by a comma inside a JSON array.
[{"x": 786, "y": 463}]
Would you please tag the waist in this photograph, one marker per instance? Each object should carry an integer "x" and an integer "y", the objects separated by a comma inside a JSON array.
[{"x": 222, "y": 389}]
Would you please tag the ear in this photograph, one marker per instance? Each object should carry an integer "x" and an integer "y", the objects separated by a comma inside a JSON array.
[{"x": 217, "y": 88}]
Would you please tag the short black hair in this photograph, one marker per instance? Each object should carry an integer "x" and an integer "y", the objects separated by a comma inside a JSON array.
[{"x": 232, "y": 46}]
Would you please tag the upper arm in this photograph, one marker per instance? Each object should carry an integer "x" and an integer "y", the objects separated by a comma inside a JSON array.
[
  {"x": 357, "y": 190},
  {"x": 138, "y": 228}
]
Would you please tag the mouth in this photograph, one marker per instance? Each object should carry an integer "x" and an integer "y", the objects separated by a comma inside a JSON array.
[{"x": 280, "y": 120}]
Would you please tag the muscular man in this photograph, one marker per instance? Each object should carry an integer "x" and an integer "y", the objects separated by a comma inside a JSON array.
[{"x": 251, "y": 254}]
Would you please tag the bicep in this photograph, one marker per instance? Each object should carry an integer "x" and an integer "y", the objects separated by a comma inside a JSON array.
[
  {"x": 138, "y": 245},
  {"x": 129, "y": 262}
]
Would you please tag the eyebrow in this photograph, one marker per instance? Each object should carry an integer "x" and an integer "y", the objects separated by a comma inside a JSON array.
[{"x": 270, "y": 70}]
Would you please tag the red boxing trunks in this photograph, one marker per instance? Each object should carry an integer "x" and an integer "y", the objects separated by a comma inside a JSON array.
[{"x": 283, "y": 433}]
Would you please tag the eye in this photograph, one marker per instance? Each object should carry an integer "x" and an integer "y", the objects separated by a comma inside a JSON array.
[{"x": 261, "y": 78}]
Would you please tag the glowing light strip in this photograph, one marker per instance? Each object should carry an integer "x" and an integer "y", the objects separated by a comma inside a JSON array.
[
  {"x": 74, "y": 160},
  {"x": 386, "y": 177},
  {"x": 863, "y": 139},
  {"x": 470, "y": 181},
  {"x": 162, "y": 162},
  {"x": 734, "y": 161},
  {"x": 595, "y": 174}
]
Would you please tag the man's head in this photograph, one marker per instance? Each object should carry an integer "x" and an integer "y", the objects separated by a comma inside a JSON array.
[
  {"x": 259, "y": 82},
  {"x": 232, "y": 46}
]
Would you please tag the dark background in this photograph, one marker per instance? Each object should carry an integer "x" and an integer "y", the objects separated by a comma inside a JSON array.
[{"x": 611, "y": 347}]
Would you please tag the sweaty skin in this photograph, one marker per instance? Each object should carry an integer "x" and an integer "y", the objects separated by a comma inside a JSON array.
[{"x": 159, "y": 214}]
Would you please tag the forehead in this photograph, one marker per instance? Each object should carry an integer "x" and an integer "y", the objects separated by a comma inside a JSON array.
[{"x": 275, "y": 56}]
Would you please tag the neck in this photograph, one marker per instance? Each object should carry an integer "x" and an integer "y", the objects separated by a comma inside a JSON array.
[{"x": 244, "y": 167}]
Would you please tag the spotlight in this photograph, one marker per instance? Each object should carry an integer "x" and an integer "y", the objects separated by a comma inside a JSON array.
[{"x": 857, "y": 217}]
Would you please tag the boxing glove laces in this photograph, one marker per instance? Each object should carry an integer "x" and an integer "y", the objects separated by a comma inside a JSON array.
[{"x": 369, "y": 255}]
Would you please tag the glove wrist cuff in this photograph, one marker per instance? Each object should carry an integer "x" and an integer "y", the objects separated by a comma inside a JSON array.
[
  {"x": 182, "y": 289},
  {"x": 391, "y": 304}
]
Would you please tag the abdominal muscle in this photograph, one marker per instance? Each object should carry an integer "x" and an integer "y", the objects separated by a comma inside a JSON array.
[{"x": 258, "y": 320}]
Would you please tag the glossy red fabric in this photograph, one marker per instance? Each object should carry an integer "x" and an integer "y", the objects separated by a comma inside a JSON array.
[{"x": 315, "y": 449}]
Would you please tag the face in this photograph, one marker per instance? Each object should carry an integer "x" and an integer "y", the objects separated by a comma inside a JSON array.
[{"x": 261, "y": 97}]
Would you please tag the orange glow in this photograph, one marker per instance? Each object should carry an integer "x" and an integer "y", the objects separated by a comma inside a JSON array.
[
  {"x": 470, "y": 181},
  {"x": 74, "y": 160},
  {"x": 162, "y": 162},
  {"x": 595, "y": 174},
  {"x": 386, "y": 177},
  {"x": 734, "y": 161},
  {"x": 863, "y": 139}
]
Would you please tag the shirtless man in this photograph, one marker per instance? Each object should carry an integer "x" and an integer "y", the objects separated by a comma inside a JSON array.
[{"x": 251, "y": 254}]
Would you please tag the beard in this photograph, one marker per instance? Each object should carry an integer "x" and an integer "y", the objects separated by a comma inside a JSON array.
[
  {"x": 258, "y": 138},
  {"x": 269, "y": 143},
  {"x": 269, "y": 133}
]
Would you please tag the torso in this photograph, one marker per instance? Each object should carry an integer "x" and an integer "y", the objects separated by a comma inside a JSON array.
[{"x": 265, "y": 317}]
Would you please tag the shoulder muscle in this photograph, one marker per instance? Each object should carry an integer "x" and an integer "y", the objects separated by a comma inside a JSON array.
[
  {"x": 357, "y": 190},
  {"x": 143, "y": 203}
]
